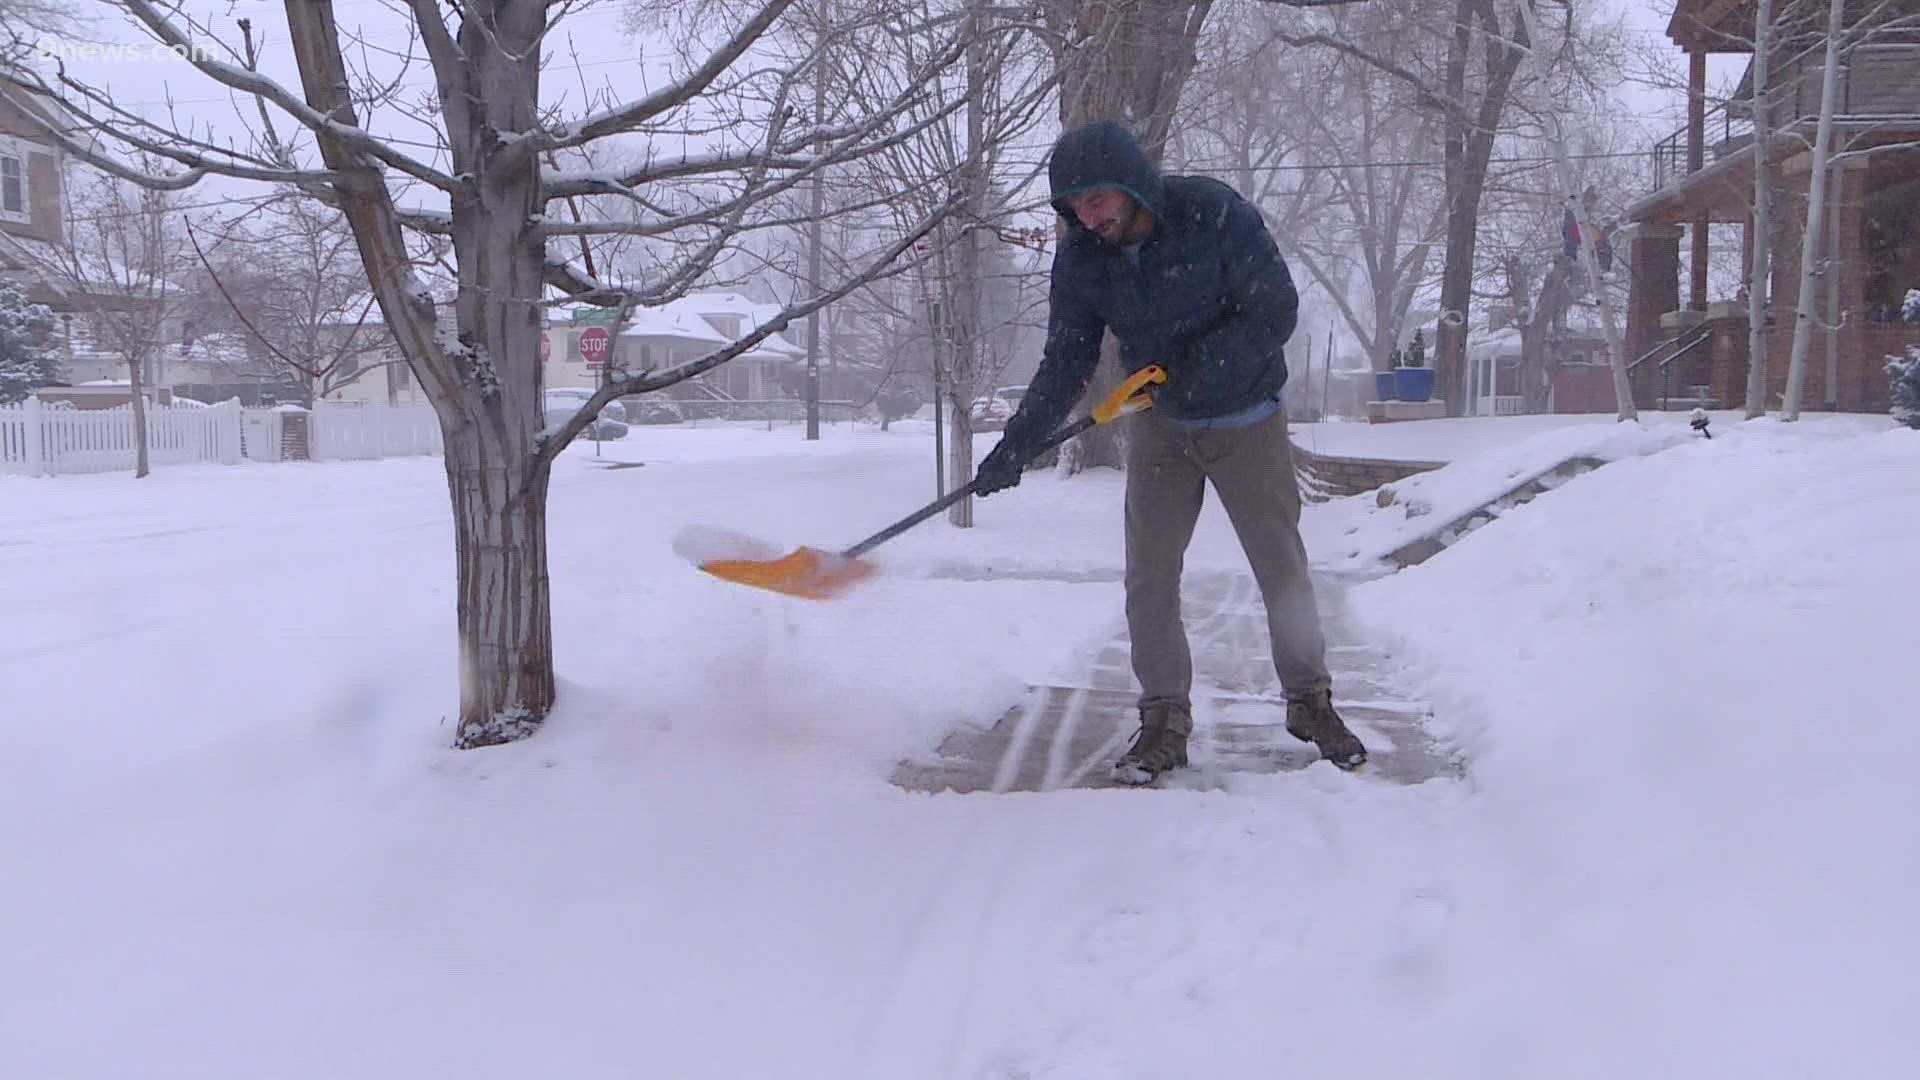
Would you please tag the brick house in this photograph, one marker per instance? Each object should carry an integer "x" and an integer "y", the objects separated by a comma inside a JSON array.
[{"x": 1693, "y": 349}]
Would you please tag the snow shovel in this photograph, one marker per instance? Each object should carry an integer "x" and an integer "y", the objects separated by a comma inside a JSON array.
[{"x": 814, "y": 574}]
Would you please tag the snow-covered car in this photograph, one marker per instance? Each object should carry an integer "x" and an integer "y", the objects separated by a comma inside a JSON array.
[
  {"x": 561, "y": 402},
  {"x": 991, "y": 413}
]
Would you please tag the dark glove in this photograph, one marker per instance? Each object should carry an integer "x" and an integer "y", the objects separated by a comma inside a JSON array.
[{"x": 1001, "y": 468}]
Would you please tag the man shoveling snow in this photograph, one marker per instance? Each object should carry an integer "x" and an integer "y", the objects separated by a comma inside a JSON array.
[{"x": 1185, "y": 274}]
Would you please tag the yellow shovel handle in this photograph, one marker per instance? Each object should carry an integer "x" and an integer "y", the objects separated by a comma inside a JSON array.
[{"x": 1130, "y": 396}]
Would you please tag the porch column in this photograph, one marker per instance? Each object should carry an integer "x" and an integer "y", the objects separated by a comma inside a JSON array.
[
  {"x": 1696, "y": 160},
  {"x": 1653, "y": 283}
]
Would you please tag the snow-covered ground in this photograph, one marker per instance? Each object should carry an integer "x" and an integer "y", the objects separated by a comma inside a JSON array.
[
  {"x": 1468, "y": 436},
  {"x": 236, "y": 845}
]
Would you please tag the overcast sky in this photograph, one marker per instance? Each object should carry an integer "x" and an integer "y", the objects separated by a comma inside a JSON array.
[
  {"x": 606, "y": 54},
  {"x": 153, "y": 82}
]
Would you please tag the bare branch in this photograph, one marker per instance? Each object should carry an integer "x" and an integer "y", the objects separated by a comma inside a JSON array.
[
  {"x": 260, "y": 86},
  {"x": 554, "y": 441},
  {"x": 630, "y": 116}
]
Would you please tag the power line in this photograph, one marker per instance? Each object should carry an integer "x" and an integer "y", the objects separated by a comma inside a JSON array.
[{"x": 1332, "y": 166}]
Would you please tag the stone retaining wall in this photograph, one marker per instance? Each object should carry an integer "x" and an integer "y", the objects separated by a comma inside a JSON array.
[{"x": 1334, "y": 477}]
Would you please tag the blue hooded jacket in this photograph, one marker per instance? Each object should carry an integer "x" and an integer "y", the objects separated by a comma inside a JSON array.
[{"x": 1209, "y": 297}]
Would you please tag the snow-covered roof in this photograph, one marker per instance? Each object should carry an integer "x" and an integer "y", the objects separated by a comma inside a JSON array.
[
  {"x": 672, "y": 322},
  {"x": 751, "y": 313},
  {"x": 690, "y": 319},
  {"x": 1482, "y": 341}
]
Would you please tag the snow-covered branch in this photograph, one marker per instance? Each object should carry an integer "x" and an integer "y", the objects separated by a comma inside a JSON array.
[
  {"x": 633, "y": 114},
  {"x": 264, "y": 88}
]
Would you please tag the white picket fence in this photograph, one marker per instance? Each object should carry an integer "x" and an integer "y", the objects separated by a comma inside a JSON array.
[
  {"x": 363, "y": 432},
  {"x": 41, "y": 440}
]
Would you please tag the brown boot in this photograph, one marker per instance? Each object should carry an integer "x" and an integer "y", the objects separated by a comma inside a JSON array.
[
  {"x": 1312, "y": 719},
  {"x": 1160, "y": 746}
]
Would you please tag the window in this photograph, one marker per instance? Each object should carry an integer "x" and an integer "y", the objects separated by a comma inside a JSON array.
[
  {"x": 13, "y": 185},
  {"x": 402, "y": 376}
]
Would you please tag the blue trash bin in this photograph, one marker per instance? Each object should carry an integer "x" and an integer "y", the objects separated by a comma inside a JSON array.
[
  {"x": 1383, "y": 388},
  {"x": 1413, "y": 383}
]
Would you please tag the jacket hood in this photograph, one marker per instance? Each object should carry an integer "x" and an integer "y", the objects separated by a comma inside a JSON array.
[{"x": 1102, "y": 155}]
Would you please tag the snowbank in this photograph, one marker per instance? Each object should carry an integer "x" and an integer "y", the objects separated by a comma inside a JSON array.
[{"x": 1686, "y": 684}]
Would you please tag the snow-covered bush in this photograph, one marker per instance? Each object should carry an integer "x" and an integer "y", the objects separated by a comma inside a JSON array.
[
  {"x": 1905, "y": 375},
  {"x": 24, "y": 367}
]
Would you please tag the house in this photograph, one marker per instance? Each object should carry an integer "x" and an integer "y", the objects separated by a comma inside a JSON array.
[
  {"x": 1576, "y": 356},
  {"x": 30, "y": 199},
  {"x": 1693, "y": 349},
  {"x": 678, "y": 332},
  {"x": 373, "y": 371},
  {"x": 35, "y": 253}
]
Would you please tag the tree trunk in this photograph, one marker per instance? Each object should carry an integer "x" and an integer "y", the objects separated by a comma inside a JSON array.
[
  {"x": 1810, "y": 271},
  {"x": 482, "y": 373},
  {"x": 504, "y": 617},
  {"x": 1762, "y": 236},
  {"x": 1456, "y": 290},
  {"x": 137, "y": 400},
  {"x": 960, "y": 455},
  {"x": 1467, "y": 152},
  {"x": 493, "y": 421},
  {"x": 1546, "y": 310},
  {"x": 969, "y": 318}
]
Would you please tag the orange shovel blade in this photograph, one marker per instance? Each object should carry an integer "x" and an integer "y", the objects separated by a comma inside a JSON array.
[{"x": 808, "y": 573}]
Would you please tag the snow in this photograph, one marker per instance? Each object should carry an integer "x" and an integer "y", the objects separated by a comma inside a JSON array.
[
  {"x": 237, "y": 841},
  {"x": 1457, "y": 437}
]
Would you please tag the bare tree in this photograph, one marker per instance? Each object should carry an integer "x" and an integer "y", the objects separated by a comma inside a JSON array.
[
  {"x": 1331, "y": 149},
  {"x": 25, "y": 23},
  {"x": 292, "y": 282},
  {"x": 698, "y": 185},
  {"x": 1484, "y": 47},
  {"x": 120, "y": 269},
  {"x": 967, "y": 279}
]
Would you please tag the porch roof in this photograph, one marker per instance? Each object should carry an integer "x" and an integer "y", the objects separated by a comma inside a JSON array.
[
  {"x": 1722, "y": 191},
  {"x": 1712, "y": 26}
]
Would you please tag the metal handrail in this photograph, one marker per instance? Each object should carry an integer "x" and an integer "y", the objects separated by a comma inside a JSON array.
[
  {"x": 1683, "y": 350},
  {"x": 1699, "y": 333}
]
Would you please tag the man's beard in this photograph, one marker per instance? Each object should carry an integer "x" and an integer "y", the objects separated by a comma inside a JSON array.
[{"x": 1116, "y": 229}]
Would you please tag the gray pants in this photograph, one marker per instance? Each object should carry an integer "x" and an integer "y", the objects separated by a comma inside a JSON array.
[{"x": 1251, "y": 469}]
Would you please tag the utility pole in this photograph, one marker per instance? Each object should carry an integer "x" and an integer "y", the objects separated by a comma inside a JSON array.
[
  {"x": 813, "y": 235},
  {"x": 936, "y": 322},
  {"x": 1326, "y": 381},
  {"x": 1616, "y": 346},
  {"x": 967, "y": 320}
]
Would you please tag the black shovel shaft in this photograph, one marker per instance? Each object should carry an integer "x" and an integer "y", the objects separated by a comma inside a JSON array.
[{"x": 956, "y": 495}]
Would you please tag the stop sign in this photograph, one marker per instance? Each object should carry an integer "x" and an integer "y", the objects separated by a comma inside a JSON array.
[
  {"x": 546, "y": 348},
  {"x": 594, "y": 345}
]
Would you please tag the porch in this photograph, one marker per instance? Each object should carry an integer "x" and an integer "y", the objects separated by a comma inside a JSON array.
[{"x": 1687, "y": 320}]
